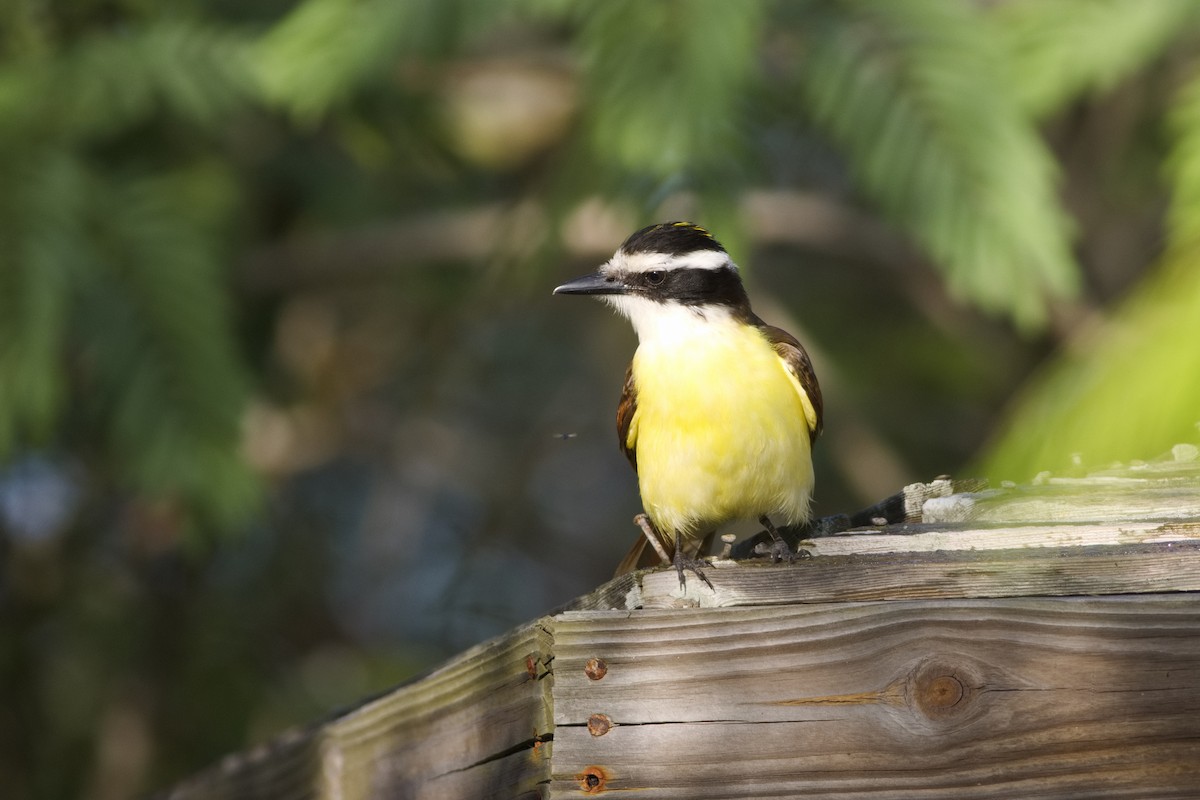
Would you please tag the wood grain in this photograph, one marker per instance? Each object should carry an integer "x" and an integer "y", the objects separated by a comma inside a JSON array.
[
  {"x": 919, "y": 538},
  {"x": 1020, "y": 659},
  {"x": 1069, "y": 697},
  {"x": 456, "y": 727},
  {"x": 1164, "y": 490},
  {"x": 477, "y": 727},
  {"x": 991, "y": 573},
  {"x": 1062, "y": 500}
]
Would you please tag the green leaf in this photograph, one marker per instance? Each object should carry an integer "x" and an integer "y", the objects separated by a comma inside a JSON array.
[
  {"x": 1129, "y": 386},
  {"x": 41, "y": 249},
  {"x": 158, "y": 339},
  {"x": 916, "y": 94},
  {"x": 105, "y": 83},
  {"x": 324, "y": 50},
  {"x": 667, "y": 81},
  {"x": 1062, "y": 49}
]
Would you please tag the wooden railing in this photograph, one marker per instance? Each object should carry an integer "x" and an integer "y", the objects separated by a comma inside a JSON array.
[{"x": 1038, "y": 641}]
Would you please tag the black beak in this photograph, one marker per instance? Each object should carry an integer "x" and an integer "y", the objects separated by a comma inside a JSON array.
[{"x": 596, "y": 283}]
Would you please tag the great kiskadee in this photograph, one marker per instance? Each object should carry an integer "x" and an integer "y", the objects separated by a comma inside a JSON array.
[{"x": 719, "y": 410}]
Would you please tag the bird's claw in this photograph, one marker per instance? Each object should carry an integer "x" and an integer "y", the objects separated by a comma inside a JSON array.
[
  {"x": 778, "y": 550},
  {"x": 694, "y": 564}
]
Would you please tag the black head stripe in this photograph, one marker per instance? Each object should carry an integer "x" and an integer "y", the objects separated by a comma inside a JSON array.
[
  {"x": 694, "y": 287},
  {"x": 671, "y": 238}
]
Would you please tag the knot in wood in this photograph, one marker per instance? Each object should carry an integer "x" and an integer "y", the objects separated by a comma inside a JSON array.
[
  {"x": 939, "y": 690},
  {"x": 592, "y": 779},
  {"x": 599, "y": 724},
  {"x": 595, "y": 668},
  {"x": 943, "y": 691}
]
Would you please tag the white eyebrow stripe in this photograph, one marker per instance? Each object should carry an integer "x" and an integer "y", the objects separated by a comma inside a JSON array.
[{"x": 697, "y": 259}]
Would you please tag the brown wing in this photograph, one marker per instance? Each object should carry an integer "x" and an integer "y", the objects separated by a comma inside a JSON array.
[
  {"x": 640, "y": 555},
  {"x": 798, "y": 363},
  {"x": 625, "y": 412}
]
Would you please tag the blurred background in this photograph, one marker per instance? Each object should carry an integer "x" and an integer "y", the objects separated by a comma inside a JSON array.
[{"x": 288, "y": 414}]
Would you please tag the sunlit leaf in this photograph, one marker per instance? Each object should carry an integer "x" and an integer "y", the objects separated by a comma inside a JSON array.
[
  {"x": 1128, "y": 389},
  {"x": 1129, "y": 386},
  {"x": 1065, "y": 48},
  {"x": 666, "y": 80},
  {"x": 917, "y": 95},
  {"x": 322, "y": 52}
]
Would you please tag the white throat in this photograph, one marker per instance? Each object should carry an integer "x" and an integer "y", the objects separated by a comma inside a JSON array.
[{"x": 666, "y": 323}]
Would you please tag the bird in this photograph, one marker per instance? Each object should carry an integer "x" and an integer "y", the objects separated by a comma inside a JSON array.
[{"x": 719, "y": 411}]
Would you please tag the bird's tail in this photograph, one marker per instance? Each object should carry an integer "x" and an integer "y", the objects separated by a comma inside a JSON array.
[{"x": 640, "y": 556}]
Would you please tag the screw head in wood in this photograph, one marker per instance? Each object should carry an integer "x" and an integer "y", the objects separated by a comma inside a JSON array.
[
  {"x": 599, "y": 724},
  {"x": 592, "y": 779},
  {"x": 595, "y": 668}
]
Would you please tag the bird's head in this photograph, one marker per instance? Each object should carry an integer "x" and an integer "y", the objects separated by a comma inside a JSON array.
[{"x": 663, "y": 270}]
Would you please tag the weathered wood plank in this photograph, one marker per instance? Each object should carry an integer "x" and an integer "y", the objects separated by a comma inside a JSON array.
[
  {"x": 1113, "y": 766},
  {"x": 927, "y": 538},
  {"x": 624, "y": 591},
  {"x": 1062, "y": 500},
  {"x": 1023, "y": 660},
  {"x": 449, "y": 735},
  {"x": 475, "y": 727},
  {"x": 992, "y": 573},
  {"x": 1067, "y": 697},
  {"x": 1163, "y": 490}
]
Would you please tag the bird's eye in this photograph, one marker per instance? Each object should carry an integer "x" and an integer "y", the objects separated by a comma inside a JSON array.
[{"x": 655, "y": 277}]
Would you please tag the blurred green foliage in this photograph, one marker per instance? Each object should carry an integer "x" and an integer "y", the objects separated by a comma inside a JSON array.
[
  {"x": 279, "y": 270},
  {"x": 918, "y": 95},
  {"x": 113, "y": 232}
]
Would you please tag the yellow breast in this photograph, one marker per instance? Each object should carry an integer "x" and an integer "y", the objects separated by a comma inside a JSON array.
[{"x": 720, "y": 432}]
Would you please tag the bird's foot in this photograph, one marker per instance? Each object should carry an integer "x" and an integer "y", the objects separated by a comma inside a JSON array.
[
  {"x": 694, "y": 564},
  {"x": 778, "y": 550}
]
